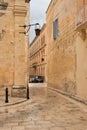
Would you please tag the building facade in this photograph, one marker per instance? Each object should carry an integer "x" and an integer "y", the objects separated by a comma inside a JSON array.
[
  {"x": 13, "y": 45},
  {"x": 67, "y": 46},
  {"x": 38, "y": 55}
]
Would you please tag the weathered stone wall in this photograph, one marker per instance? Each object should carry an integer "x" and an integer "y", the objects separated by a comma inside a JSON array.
[
  {"x": 81, "y": 73},
  {"x": 67, "y": 55},
  {"x": 13, "y": 46},
  {"x": 61, "y": 51},
  {"x": 7, "y": 46}
]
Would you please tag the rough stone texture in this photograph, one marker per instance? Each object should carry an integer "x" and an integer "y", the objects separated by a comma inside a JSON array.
[
  {"x": 62, "y": 49},
  {"x": 81, "y": 48},
  {"x": 19, "y": 92},
  {"x": 13, "y": 46},
  {"x": 67, "y": 53}
]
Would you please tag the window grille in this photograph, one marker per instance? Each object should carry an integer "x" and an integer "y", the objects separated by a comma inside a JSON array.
[{"x": 55, "y": 29}]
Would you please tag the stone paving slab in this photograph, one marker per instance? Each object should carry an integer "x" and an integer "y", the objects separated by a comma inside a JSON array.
[{"x": 46, "y": 110}]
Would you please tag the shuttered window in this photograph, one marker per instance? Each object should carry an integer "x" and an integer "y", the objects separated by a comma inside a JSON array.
[{"x": 55, "y": 29}]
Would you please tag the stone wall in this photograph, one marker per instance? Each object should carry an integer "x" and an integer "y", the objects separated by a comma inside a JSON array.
[
  {"x": 66, "y": 55},
  {"x": 61, "y": 51},
  {"x": 7, "y": 46},
  {"x": 13, "y": 45},
  {"x": 81, "y": 73}
]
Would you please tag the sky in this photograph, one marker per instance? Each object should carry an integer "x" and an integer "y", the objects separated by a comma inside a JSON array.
[{"x": 37, "y": 14}]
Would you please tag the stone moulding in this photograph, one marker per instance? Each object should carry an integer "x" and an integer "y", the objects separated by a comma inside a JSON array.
[
  {"x": 19, "y": 10},
  {"x": 19, "y": 87}
]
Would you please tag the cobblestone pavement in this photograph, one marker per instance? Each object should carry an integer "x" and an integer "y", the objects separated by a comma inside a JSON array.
[{"x": 45, "y": 110}]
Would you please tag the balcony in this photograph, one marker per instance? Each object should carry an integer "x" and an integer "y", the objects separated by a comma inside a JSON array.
[{"x": 81, "y": 18}]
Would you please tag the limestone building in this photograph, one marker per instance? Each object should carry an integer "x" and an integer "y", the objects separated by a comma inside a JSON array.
[
  {"x": 38, "y": 55},
  {"x": 67, "y": 46},
  {"x": 13, "y": 45}
]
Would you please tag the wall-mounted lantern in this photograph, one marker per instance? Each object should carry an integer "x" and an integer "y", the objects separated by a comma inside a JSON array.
[
  {"x": 27, "y": 27},
  {"x": 37, "y": 29}
]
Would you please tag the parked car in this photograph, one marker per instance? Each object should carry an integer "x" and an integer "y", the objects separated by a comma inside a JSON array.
[
  {"x": 36, "y": 79},
  {"x": 39, "y": 79}
]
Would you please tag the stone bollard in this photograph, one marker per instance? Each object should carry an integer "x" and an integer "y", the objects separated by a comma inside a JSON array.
[
  {"x": 6, "y": 95},
  {"x": 28, "y": 92}
]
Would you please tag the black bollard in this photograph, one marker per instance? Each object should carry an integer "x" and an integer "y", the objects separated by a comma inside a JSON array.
[
  {"x": 6, "y": 95},
  {"x": 28, "y": 92}
]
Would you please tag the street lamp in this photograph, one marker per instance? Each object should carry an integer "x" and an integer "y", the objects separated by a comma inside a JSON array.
[
  {"x": 27, "y": 27},
  {"x": 37, "y": 31}
]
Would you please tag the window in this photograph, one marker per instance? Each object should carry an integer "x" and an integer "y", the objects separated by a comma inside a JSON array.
[{"x": 55, "y": 29}]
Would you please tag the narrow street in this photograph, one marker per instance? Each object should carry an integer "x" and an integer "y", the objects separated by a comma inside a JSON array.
[{"x": 45, "y": 110}]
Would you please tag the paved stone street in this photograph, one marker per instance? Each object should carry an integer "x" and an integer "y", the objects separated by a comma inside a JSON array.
[{"x": 46, "y": 110}]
